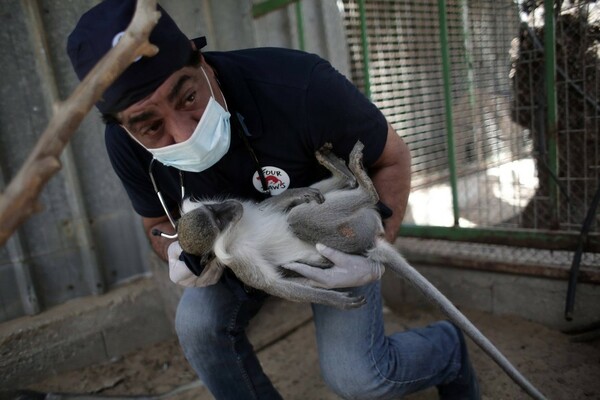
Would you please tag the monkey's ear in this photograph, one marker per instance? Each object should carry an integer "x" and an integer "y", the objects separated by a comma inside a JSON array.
[{"x": 227, "y": 212}]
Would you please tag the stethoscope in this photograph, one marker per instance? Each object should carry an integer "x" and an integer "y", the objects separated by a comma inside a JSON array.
[
  {"x": 155, "y": 231},
  {"x": 242, "y": 131}
]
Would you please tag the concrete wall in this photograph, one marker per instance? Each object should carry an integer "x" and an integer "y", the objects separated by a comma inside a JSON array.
[
  {"x": 85, "y": 331},
  {"x": 537, "y": 299}
]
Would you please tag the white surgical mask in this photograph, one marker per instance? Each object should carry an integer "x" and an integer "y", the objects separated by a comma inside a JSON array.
[{"x": 208, "y": 143}]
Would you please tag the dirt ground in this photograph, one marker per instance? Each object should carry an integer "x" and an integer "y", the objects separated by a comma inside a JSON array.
[{"x": 561, "y": 368}]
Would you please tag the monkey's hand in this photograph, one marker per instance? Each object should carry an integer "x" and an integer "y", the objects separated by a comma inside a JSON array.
[
  {"x": 180, "y": 274},
  {"x": 348, "y": 270}
]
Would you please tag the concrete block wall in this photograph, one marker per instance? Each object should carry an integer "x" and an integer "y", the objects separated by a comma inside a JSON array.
[
  {"x": 82, "y": 332},
  {"x": 536, "y": 299}
]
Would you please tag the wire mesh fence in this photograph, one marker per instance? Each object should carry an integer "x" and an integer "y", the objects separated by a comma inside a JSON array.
[
  {"x": 576, "y": 137},
  {"x": 520, "y": 161}
]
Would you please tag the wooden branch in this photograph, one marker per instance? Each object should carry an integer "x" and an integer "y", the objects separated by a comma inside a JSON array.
[{"x": 20, "y": 199}]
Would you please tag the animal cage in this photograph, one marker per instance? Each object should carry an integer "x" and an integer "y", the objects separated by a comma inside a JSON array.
[{"x": 498, "y": 102}]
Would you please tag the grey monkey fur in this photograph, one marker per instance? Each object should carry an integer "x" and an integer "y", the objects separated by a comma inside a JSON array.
[{"x": 254, "y": 240}]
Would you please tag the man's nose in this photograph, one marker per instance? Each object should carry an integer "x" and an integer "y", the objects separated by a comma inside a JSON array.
[{"x": 182, "y": 127}]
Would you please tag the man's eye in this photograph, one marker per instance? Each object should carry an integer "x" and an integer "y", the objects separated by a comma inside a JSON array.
[
  {"x": 190, "y": 99},
  {"x": 152, "y": 129}
]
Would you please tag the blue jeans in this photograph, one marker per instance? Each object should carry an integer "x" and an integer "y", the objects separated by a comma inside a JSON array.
[{"x": 357, "y": 360}]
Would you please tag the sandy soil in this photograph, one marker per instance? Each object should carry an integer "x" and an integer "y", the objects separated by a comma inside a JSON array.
[{"x": 558, "y": 366}]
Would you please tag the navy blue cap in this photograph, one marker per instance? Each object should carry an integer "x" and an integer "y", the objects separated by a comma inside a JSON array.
[{"x": 99, "y": 29}]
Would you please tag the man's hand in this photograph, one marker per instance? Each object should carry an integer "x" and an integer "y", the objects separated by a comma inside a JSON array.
[
  {"x": 180, "y": 274},
  {"x": 348, "y": 270}
]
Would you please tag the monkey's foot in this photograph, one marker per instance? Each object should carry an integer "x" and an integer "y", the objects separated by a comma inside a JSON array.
[
  {"x": 356, "y": 166},
  {"x": 336, "y": 165}
]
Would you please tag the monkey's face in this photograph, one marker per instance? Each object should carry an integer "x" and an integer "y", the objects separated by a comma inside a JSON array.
[{"x": 199, "y": 228}]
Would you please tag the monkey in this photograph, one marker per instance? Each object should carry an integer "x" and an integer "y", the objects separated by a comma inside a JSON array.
[{"x": 256, "y": 239}]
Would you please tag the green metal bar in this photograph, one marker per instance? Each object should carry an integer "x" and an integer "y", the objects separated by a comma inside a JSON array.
[
  {"x": 300, "y": 26},
  {"x": 448, "y": 107},
  {"x": 365, "y": 47},
  {"x": 548, "y": 240},
  {"x": 265, "y": 7},
  {"x": 552, "y": 116}
]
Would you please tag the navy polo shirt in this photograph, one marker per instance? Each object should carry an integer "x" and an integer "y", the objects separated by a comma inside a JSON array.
[{"x": 290, "y": 103}]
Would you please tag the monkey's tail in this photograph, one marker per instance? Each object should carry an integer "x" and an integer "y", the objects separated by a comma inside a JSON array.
[{"x": 389, "y": 256}]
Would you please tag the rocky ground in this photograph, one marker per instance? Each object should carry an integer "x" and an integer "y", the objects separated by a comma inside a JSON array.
[{"x": 559, "y": 366}]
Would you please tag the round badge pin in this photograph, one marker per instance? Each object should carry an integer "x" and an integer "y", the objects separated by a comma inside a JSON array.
[{"x": 277, "y": 180}]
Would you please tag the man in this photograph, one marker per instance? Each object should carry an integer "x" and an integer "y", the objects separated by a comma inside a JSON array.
[{"x": 246, "y": 124}]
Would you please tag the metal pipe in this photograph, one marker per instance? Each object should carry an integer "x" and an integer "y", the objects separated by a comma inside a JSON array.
[
  {"x": 74, "y": 194},
  {"x": 551, "y": 104},
  {"x": 365, "y": 47},
  {"x": 448, "y": 107},
  {"x": 575, "y": 265}
]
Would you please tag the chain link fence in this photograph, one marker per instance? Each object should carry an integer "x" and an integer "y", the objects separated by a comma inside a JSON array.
[{"x": 501, "y": 143}]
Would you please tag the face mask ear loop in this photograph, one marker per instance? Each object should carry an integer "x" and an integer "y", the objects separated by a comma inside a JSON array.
[
  {"x": 133, "y": 137},
  {"x": 211, "y": 91},
  {"x": 207, "y": 81},
  {"x": 162, "y": 201}
]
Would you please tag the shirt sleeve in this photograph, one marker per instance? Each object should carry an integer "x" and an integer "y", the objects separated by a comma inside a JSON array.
[{"x": 337, "y": 112}]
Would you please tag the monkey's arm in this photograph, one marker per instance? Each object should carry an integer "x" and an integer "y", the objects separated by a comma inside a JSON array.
[
  {"x": 391, "y": 177},
  {"x": 348, "y": 270}
]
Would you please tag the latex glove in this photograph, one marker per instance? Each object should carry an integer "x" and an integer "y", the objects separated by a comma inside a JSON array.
[
  {"x": 348, "y": 270},
  {"x": 180, "y": 274}
]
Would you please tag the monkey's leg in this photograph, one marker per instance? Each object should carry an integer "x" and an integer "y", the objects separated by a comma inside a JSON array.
[
  {"x": 387, "y": 254},
  {"x": 255, "y": 271},
  {"x": 301, "y": 293},
  {"x": 295, "y": 291},
  {"x": 346, "y": 221},
  {"x": 336, "y": 165},
  {"x": 291, "y": 198},
  {"x": 356, "y": 166}
]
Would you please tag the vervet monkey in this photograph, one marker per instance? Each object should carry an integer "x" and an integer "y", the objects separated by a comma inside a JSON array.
[{"x": 255, "y": 240}]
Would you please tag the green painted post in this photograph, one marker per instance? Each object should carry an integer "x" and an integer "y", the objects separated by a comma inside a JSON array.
[
  {"x": 300, "y": 26},
  {"x": 267, "y": 6},
  {"x": 448, "y": 107},
  {"x": 552, "y": 116}
]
